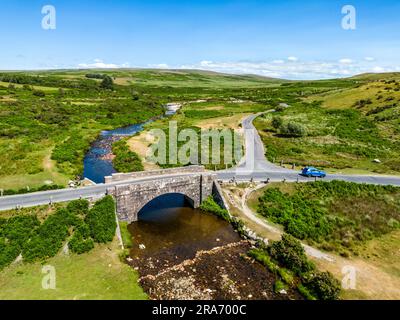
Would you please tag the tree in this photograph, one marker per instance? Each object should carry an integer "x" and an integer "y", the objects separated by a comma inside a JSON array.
[{"x": 107, "y": 83}]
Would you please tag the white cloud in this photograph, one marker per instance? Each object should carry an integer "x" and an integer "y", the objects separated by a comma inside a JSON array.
[
  {"x": 345, "y": 61},
  {"x": 378, "y": 69},
  {"x": 286, "y": 69},
  {"x": 289, "y": 68},
  {"x": 159, "y": 66},
  {"x": 100, "y": 64},
  {"x": 369, "y": 59}
]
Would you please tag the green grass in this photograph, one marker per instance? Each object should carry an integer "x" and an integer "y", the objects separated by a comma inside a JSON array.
[
  {"x": 125, "y": 234},
  {"x": 97, "y": 275},
  {"x": 334, "y": 139},
  {"x": 339, "y": 216},
  {"x": 75, "y": 109}
]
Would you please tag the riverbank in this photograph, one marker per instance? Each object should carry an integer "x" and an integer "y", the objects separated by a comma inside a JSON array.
[
  {"x": 377, "y": 275},
  {"x": 222, "y": 273}
]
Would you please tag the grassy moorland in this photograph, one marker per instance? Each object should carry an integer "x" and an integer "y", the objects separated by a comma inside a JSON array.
[
  {"x": 48, "y": 119},
  {"x": 337, "y": 216},
  {"x": 342, "y": 130},
  {"x": 97, "y": 275},
  {"x": 90, "y": 269},
  {"x": 225, "y": 108},
  {"x": 357, "y": 224}
]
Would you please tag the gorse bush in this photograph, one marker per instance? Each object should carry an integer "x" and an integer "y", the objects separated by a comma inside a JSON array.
[
  {"x": 14, "y": 233},
  {"x": 290, "y": 253},
  {"x": 322, "y": 285},
  {"x": 277, "y": 122},
  {"x": 101, "y": 220},
  {"x": 25, "y": 235},
  {"x": 335, "y": 215},
  {"x": 79, "y": 207},
  {"x": 50, "y": 236},
  {"x": 125, "y": 160},
  {"x": 292, "y": 129},
  {"x": 81, "y": 241},
  {"x": 287, "y": 260}
]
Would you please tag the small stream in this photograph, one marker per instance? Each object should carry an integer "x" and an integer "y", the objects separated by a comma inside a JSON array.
[{"x": 97, "y": 163}]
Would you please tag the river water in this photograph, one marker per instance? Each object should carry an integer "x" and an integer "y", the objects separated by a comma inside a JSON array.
[
  {"x": 97, "y": 163},
  {"x": 169, "y": 231}
]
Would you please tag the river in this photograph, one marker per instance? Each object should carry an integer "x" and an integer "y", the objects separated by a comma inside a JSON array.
[
  {"x": 181, "y": 252},
  {"x": 97, "y": 163},
  {"x": 169, "y": 231}
]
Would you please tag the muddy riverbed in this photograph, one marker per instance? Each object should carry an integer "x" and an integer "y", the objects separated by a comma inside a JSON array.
[{"x": 182, "y": 253}]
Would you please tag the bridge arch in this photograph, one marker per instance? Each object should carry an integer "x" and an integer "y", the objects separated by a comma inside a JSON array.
[{"x": 153, "y": 204}]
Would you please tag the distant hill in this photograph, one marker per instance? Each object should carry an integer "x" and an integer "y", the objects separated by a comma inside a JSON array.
[{"x": 377, "y": 76}]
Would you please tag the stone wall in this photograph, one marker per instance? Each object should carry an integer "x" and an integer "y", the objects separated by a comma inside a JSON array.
[
  {"x": 142, "y": 174},
  {"x": 219, "y": 196}
]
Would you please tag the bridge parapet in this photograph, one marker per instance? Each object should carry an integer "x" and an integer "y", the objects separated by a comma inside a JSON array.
[{"x": 142, "y": 174}]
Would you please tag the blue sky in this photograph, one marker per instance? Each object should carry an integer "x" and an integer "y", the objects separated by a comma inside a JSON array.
[{"x": 289, "y": 39}]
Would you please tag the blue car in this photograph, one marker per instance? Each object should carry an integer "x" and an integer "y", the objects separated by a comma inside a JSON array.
[{"x": 313, "y": 172}]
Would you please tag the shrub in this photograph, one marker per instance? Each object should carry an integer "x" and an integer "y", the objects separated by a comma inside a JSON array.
[
  {"x": 279, "y": 286},
  {"x": 14, "y": 232},
  {"x": 79, "y": 207},
  {"x": 8, "y": 252},
  {"x": 238, "y": 225},
  {"x": 210, "y": 205},
  {"x": 39, "y": 93},
  {"x": 101, "y": 220},
  {"x": 302, "y": 218},
  {"x": 290, "y": 253},
  {"x": 107, "y": 83},
  {"x": 305, "y": 292},
  {"x": 45, "y": 187},
  {"x": 125, "y": 160},
  {"x": 277, "y": 122},
  {"x": 50, "y": 236},
  {"x": 292, "y": 129},
  {"x": 80, "y": 244},
  {"x": 323, "y": 285}
]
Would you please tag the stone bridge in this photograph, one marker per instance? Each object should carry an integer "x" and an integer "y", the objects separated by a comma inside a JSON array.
[{"x": 194, "y": 182}]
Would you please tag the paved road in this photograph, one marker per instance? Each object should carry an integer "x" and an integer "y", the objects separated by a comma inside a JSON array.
[
  {"x": 63, "y": 195},
  {"x": 253, "y": 166}
]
